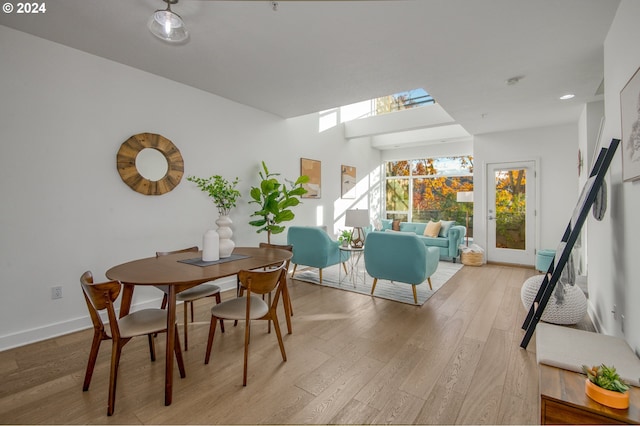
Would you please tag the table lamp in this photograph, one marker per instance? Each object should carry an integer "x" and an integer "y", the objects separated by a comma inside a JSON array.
[
  {"x": 357, "y": 219},
  {"x": 465, "y": 197}
]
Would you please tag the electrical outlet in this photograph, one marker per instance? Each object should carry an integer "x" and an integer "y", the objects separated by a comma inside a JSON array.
[{"x": 56, "y": 292}]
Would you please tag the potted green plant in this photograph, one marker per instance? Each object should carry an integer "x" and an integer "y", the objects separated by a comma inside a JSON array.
[
  {"x": 605, "y": 386},
  {"x": 345, "y": 237},
  {"x": 275, "y": 200},
  {"x": 223, "y": 193}
]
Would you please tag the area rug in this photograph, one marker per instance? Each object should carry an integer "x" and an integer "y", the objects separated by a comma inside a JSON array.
[{"x": 398, "y": 292}]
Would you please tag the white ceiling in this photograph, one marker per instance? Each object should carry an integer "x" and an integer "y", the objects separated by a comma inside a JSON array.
[{"x": 313, "y": 55}]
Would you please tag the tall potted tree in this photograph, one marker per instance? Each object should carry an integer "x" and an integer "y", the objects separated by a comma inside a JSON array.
[
  {"x": 224, "y": 195},
  {"x": 275, "y": 200}
]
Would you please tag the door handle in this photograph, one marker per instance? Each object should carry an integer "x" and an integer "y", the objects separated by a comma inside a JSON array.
[{"x": 491, "y": 218}]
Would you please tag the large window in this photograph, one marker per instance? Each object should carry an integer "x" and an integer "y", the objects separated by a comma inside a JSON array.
[{"x": 426, "y": 189}]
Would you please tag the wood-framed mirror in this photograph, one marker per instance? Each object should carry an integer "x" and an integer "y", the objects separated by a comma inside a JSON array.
[{"x": 147, "y": 176}]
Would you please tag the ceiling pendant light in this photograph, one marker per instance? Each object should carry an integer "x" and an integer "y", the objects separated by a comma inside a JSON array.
[{"x": 168, "y": 25}]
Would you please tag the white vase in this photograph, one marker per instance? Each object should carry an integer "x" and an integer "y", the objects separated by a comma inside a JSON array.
[
  {"x": 224, "y": 231},
  {"x": 210, "y": 246}
]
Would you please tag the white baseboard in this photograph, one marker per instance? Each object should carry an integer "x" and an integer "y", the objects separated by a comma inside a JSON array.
[{"x": 73, "y": 325}]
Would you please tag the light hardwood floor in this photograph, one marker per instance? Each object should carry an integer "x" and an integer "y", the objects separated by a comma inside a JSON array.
[{"x": 352, "y": 359}]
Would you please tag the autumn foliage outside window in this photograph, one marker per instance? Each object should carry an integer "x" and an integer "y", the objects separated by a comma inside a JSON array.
[
  {"x": 425, "y": 189},
  {"x": 511, "y": 203}
]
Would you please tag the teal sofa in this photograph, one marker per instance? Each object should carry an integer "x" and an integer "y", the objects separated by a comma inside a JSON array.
[
  {"x": 401, "y": 257},
  {"x": 448, "y": 241},
  {"x": 313, "y": 247}
]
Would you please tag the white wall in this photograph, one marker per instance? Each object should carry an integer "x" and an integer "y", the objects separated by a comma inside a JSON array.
[
  {"x": 555, "y": 150},
  {"x": 588, "y": 131},
  {"x": 64, "y": 115},
  {"x": 589, "y": 126},
  {"x": 448, "y": 149},
  {"x": 613, "y": 267}
]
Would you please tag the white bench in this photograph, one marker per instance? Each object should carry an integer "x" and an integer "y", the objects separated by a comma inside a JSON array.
[{"x": 569, "y": 349}]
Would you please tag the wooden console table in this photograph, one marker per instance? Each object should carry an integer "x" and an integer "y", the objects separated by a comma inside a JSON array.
[{"x": 563, "y": 401}]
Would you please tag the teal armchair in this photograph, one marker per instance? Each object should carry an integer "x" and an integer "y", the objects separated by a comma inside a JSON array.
[
  {"x": 401, "y": 257},
  {"x": 313, "y": 247}
]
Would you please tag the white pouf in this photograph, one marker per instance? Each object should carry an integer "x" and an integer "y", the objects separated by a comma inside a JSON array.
[{"x": 571, "y": 311}]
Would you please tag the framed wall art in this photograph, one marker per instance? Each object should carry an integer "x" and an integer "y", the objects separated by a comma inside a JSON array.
[
  {"x": 311, "y": 168},
  {"x": 630, "y": 116},
  {"x": 348, "y": 181}
]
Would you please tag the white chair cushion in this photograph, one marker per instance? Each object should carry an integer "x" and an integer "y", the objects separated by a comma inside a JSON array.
[
  {"x": 235, "y": 309},
  {"x": 141, "y": 322},
  {"x": 197, "y": 292}
]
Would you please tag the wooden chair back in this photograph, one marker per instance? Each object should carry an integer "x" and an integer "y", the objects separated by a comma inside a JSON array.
[
  {"x": 185, "y": 250},
  {"x": 285, "y": 292},
  {"x": 262, "y": 282},
  {"x": 85, "y": 281},
  {"x": 100, "y": 297}
]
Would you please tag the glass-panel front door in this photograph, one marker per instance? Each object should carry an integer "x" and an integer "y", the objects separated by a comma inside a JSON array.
[{"x": 511, "y": 212}]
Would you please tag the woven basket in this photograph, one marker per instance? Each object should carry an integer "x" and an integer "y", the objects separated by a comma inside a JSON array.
[{"x": 471, "y": 258}]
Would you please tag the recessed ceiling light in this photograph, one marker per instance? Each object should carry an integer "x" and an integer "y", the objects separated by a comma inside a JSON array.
[{"x": 567, "y": 96}]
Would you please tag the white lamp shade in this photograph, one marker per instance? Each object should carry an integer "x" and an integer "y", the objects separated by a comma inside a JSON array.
[
  {"x": 465, "y": 197},
  {"x": 357, "y": 218}
]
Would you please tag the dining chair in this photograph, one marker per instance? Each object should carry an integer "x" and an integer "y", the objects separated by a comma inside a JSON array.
[
  {"x": 286, "y": 300},
  {"x": 100, "y": 297},
  {"x": 250, "y": 307},
  {"x": 285, "y": 291},
  {"x": 189, "y": 296}
]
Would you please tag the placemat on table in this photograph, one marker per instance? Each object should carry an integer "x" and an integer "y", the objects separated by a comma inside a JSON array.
[{"x": 199, "y": 262}]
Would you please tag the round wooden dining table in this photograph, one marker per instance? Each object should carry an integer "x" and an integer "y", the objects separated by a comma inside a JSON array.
[{"x": 172, "y": 275}]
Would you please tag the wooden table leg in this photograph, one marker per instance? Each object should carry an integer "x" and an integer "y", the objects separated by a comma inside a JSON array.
[
  {"x": 127, "y": 297},
  {"x": 287, "y": 303},
  {"x": 171, "y": 338}
]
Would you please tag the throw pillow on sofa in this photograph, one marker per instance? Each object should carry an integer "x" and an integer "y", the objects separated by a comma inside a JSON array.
[
  {"x": 395, "y": 225},
  {"x": 432, "y": 229},
  {"x": 386, "y": 224},
  {"x": 445, "y": 225}
]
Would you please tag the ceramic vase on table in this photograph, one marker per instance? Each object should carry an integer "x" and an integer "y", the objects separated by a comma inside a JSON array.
[
  {"x": 224, "y": 232},
  {"x": 210, "y": 246}
]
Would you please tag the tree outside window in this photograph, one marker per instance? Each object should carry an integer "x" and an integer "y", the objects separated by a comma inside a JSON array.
[
  {"x": 430, "y": 187},
  {"x": 511, "y": 202},
  {"x": 397, "y": 199}
]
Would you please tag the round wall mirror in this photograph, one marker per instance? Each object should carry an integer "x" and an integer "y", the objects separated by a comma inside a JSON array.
[{"x": 150, "y": 164}]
